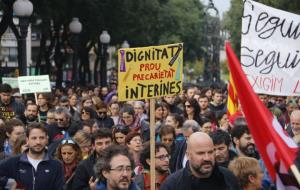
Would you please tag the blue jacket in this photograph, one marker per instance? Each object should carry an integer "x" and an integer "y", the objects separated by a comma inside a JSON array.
[{"x": 49, "y": 174}]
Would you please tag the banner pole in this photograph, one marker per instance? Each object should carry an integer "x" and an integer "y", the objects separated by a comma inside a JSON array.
[
  {"x": 36, "y": 102},
  {"x": 296, "y": 173},
  {"x": 152, "y": 143}
]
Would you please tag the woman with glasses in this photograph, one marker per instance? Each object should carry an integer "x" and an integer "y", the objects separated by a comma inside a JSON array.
[
  {"x": 192, "y": 110},
  {"x": 103, "y": 119},
  {"x": 69, "y": 153},
  {"x": 88, "y": 113},
  {"x": 119, "y": 133}
]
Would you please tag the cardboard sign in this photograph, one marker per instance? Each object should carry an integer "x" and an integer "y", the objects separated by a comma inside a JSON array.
[
  {"x": 34, "y": 84},
  {"x": 150, "y": 72},
  {"x": 13, "y": 82},
  {"x": 270, "y": 49}
]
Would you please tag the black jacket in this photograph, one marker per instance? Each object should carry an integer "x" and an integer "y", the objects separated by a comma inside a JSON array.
[
  {"x": 12, "y": 110},
  {"x": 83, "y": 173},
  {"x": 177, "y": 156},
  {"x": 184, "y": 180},
  {"x": 106, "y": 122}
]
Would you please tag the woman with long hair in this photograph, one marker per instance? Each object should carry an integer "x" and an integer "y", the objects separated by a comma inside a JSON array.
[
  {"x": 69, "y": 153},
  {"x": 192, "y": 110}
]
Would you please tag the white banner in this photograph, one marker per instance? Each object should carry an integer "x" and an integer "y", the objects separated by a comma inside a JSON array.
[
  {"x": 13, "y": 82},
  {"x": 270, "y": 49},
  {"x": 33, "y": 84}
]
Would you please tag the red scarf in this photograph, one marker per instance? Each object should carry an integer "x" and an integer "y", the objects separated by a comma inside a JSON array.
[{"x": 69, "y": 169}]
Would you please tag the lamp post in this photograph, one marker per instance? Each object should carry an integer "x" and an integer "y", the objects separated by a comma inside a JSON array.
[
  {"x": 104, "y": 39},
  {"x": 125, "y": 44},
  {"x": 23, "y": 9},
  {"x": 75, "y": 27},
  {"x": 212, "y": 44}
]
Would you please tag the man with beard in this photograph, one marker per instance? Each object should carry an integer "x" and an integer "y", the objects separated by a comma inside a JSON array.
[
  {"x": 31, "y": 113},
  {"x": 162, "y": 158},
  {"x": 114, "y": 170},
  {"x": 34, "y": 169},
  {"x": 84, "y": 174},
  {"x": 9, "y": 108},
  {"x": 242, "y": 139},
  {"x": 222, "y": 142},
  {"x": 200, "y": 172}
]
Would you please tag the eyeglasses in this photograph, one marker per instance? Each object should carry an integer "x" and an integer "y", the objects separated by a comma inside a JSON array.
[
  {"x": 101, "y": 112},
  {"x": 84, "y": 112},
  {"x": 59, "y": 119},
  {"x": 120, "y": 169},
  {"x": 163, "y": 157},
  {"x": 67, "y": 141}
]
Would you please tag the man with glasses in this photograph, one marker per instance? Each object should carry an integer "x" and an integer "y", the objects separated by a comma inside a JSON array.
[
  {"x": 64, "y": 126},
  {"x": 162, "y": 158},
  {"x": 114, "y": 170},
  {"x": 103, "y": 119}
]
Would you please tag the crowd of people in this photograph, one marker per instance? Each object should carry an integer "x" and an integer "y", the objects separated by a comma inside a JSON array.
[{"x": 84, "y": 138}]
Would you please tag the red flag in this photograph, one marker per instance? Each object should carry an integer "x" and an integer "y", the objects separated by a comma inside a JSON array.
[{"x": 277, "y": 150}]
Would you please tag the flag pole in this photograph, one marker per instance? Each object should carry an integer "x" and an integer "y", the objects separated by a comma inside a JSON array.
[
  {"x": 296, "y": 173},
  {"x": 152, "y": 144}
]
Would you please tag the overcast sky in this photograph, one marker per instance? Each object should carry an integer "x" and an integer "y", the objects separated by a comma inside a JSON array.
[{"x": 221, "y": 5}]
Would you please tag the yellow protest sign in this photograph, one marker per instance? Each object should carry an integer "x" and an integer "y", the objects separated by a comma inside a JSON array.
[{"x": 150, "y": 72}]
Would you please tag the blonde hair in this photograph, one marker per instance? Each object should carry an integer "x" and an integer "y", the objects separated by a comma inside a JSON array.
[{"x": 242, "y": 168}]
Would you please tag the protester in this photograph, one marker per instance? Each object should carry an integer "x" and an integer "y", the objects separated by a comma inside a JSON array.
[
  {"x": 206, "y": 125},
  {"x": 223, "y": 121},
  {"x": 217, "y": 101},
  {"x": 248, "y": 172},
  {"x": 50, "y": 120},
  {"x": 170, "y": 101},
  {"x": 84, "y": 141},
  {"x": 176, "y": 121},
  {"x": 88, "y": 113},
  {"x": 178, "y": 157},
  {"x": 8, "y": 106},
  {"x": 203, "y": 102},
  {"x": 200, "y": 172},
  {"x": 114, "y": 109},
  {"x": 222, "y": 143},
  {"x": 14, "y": 128},
  {"x": 295, "y": 125},
  {"x": 119, "y": 133},
  {"x": 69, "y": 153},
  {"x": 162, "y": 158},
  {"x": 134, "y": 143},
  {"x": 114, "y": 170},
  {"x": 242, "y": 139},
  {"x": 103, "y": 119},
  {"x": 31, "y": 114},
  {"x": 44, "y": 104},
  {"x": 48, "y": 172},
  {"x": 167, "y": 136},
  {"x": 192, "y": 110},
  {"x": 84, "y": 172}
]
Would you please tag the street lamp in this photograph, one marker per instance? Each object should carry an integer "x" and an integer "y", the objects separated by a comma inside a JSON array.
[
  {"x": 75, "y": 27},
  {"x": 212, "y": 44},
  {"x": 104, "y": 39},
  {"x": 125, "y": 44},
  {"x": 23, "y": 9}
]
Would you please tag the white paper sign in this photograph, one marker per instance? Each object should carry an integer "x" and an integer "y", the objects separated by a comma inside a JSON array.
[
  {"x": 33, "y": 84},
  {"x": 270, "y": 49},
  {"x": 13, "y": 82}
]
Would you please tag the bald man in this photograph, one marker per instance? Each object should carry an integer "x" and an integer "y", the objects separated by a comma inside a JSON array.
[
  {"x": 200, "y": 172},
  {"x": 295, "y": 125}
]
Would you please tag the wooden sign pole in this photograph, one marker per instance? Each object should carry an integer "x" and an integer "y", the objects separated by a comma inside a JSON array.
[{"x": 152, "y": 143}]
